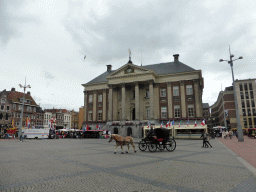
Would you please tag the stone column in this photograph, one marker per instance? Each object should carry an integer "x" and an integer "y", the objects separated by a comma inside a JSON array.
[
  {"x": 137, "y": 101},
  {"x": 197, "y": 98},
  {"x": 104, "y": 107},
  {"x": 94, "y": 111},
  {"x": 85, "y": 105},
  {"x": 183, "y": 100},
  {"x": 169, "y": 96},
  {"x": 123, "y": 102},
  {"x": 110, "y": 103},
  {"x": 151, "y": 99}
]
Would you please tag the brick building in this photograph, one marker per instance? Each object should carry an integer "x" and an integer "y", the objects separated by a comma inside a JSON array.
[
  {"x": 246, "y": 90},
  {"x": 11, "y": 107},
  {"x": 124, "y": 99}
]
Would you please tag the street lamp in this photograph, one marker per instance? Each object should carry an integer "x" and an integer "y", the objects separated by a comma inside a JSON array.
[
  {"x": 239, "y": 128},
  {"x": 25, "y": 86}
]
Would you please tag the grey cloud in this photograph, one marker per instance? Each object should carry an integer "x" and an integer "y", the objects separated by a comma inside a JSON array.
[
  {"x": 48, "y": 75},
  {"x": 187, "y": 28},
  {"x": 11, "y": 18}
]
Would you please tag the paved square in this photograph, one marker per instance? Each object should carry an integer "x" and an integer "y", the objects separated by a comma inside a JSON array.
[{"x": 91, "y": 165}]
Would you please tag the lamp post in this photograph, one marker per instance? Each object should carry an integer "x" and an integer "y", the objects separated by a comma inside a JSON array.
[
  {"x": 239, "y": 128},
  {"x": 22, "y": 109}
]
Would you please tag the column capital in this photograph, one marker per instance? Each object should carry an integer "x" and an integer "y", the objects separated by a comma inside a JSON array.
[
  {"x": 182, "y": 82},
  {"x": 196, "y": 80},
  {"x": 136, "y": 82},
  {"x": 169, "y": 83},
  {"x": 104, "y": 90},
  {"x": 110, "y": 86},
  {"x": 122, "y": 84},
  {"x": 150, "y": 81},
  {"x": 95, "y": 91}
]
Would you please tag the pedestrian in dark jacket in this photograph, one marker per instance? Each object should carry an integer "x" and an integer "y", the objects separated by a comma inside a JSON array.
[{"x": 204, "y": 139}]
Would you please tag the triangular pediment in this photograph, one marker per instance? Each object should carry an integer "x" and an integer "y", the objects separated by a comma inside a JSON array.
[{"x": 129, "y": 69}]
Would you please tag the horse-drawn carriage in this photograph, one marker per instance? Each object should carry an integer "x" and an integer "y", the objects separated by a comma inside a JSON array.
[{"x": 157, "y": 139}]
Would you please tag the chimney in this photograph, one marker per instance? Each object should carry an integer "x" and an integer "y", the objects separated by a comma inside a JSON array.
[
  {"x": 28, "y": 92},
  {"x": 13, "y": 89},
  {"x": 176, "y": 57},
  {"x": 109, "y": 67}
]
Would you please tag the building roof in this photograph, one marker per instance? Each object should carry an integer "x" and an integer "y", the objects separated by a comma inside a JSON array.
[
  {"x": 15, "y": 96},
  {"x": 159, "y": 69}
]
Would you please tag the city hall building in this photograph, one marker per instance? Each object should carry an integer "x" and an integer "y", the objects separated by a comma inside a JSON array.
[{"x": 125, "y": 99}]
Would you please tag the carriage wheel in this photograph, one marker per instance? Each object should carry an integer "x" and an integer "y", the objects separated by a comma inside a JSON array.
[
  {"x": 160, "y": 147},
  {"x": 170, "y": 145},
  {"x": 142, "y": 145},
  {"x": 152, "y": 147}
]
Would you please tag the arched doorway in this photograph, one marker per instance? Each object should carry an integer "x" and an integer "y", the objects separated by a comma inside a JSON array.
[
  {"x": 115, "y": 130},
  {"x": 129, "y": 131},
  {"x": 133, "y": 114}
]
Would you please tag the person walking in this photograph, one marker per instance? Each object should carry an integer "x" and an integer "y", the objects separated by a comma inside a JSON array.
[
  {"x": 230, "y": 134},
  {"x": 227, "y": 134},
  {"x": 207, "y": 141},
  {"x": 204, "y": 140}
]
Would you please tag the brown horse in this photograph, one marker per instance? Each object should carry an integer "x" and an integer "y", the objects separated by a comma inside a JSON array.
[{"x": 122, "y": 141}]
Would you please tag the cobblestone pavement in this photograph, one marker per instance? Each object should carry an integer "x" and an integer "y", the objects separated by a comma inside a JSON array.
[
  {"x": 91, "y": 165},
  {"x": 246, "y": 149}
]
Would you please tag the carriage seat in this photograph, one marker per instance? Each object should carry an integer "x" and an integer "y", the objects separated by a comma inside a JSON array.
[{"x": 159, "y": 139}]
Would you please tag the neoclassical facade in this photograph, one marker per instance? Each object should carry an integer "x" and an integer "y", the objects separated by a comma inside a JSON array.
[{"x": 123, "y": 100}]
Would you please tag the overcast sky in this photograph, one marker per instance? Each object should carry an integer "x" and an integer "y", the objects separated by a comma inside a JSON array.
[{"x": 46, "y": 41}]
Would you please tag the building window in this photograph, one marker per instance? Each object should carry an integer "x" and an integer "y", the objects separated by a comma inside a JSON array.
[
  {"x": 242, "y": 95},
  {"x": 164, "y": 112},
  {"x": 147, "y": 93},
  {"x": 14, "y": 106},
  {"x": 20, "y": 107},
  {"x": 176, "y": 111},
  {"x": 241, "y": 86},
  {"x": 254, "y": 113},
  {"x": 244, "y": 112},
  {"x": 18, "y": 115},
  {"x": 245, "y": 122},
  {"x": 13, "y": 114},
  {"x": 162, "y": 92},
  {"x": 3, "y": 101},
  {"x": 2, "y": 107},
  {"x": 250, "y": 86},
  {"x": 148, "y": 112},
  {"x": 249, "y": 112},
  {"x": 243, "y": 105},
  {"x": 89, "y": 115},
  {"x": 34, "y": 109},
  {"x": 7, "y": 108},
  {"x": 248, "y": 104},
  {"x": 253, "y": 104},
  {"x": 28, "y": 108},
  {"x": 245, "y": 87},
  {"x": 246, "y": 95},
  {"x": 17, "y": 123},
  {"x": 176, "y": 91},
  {"x": 189, "y": 90},
  {"x": 90, "y": 98},
  {"x": 254, "y": 119},
  {"x": 250, "y": 121},
  {"x": 100, "y": 98},
  {"x": 99, "y": 115},
  {"x": 251, "y": 93},
  {"x": 191, "y": 111}
]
